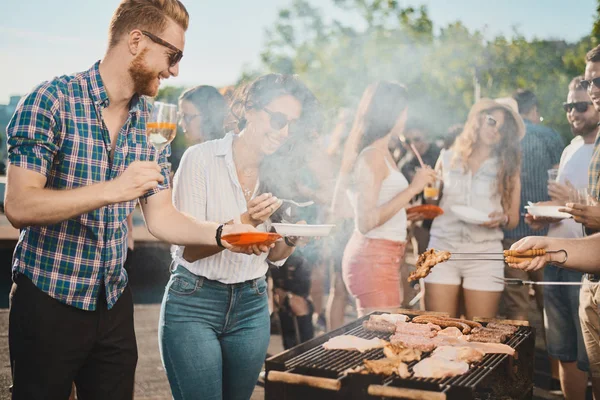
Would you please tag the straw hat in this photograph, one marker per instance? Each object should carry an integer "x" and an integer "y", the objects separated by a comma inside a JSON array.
[{"x": 507, "y": 103}]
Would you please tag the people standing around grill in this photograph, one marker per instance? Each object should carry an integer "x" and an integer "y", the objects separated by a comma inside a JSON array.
[
  {"x": 541, "y": 149},
  {"x": 79, "y": 160},
  {"x": 214, "y": 324},
  {"x": 380, "y": 193},
  {"x": 481, "y": 171},
  {"x": 564, "y": 340}
]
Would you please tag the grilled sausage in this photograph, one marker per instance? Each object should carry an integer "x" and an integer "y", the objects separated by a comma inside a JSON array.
[{"x": 443, "y": 322}]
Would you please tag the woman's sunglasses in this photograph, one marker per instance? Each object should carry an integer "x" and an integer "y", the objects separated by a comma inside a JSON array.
[
  {"x": 579, "y": 106},
  {"x": 587, "y": 85},
  {"x": 279, "y": 120},
  {"x": 175, "y": 57},
  {"x": 187, "y": 118},
  {"x": 490, "y": 121}
]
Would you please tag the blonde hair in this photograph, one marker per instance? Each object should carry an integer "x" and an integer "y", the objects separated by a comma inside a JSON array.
[
  {"x": 508, "y": 151},
  {"x": 149, "y": 15}
]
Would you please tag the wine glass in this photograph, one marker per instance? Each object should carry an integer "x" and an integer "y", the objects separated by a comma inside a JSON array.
[{"x": 161, "y": 127}]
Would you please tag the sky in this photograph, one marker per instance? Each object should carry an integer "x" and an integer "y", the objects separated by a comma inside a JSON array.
[{"x": 40, "y": 39}]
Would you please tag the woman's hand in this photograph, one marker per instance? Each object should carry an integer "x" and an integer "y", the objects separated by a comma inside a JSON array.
[
  {"x": 241, "y": 228},
  {"x": 538, "y": 223},
  {"x": 415, "y": 217},
  {"x": 260, "y": 209},
  {"x": 497, "y": 219},
  {"x": 423, "y": 177}
]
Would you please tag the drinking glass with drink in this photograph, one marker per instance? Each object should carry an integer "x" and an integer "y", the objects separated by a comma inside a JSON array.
[
  {"x": 432, "y": 191},
  {"x": 161, "y": 127},
  {"x": 553, "y": 175}
]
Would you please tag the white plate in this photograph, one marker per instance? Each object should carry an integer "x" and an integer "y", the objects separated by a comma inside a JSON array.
[
  {"x": 303, "y": 230},
  {"x": 470, "y": 215},
  {"x": 548, "y": 211}
]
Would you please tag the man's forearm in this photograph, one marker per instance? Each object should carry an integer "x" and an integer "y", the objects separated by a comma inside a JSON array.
[
  {"x": 40, "y": 206},
  {"x": 173, "y": 227},
  {"x": 583, "y": 254}
]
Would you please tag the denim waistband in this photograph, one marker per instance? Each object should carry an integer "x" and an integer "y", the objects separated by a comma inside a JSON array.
[{"x": 178, "y": 268}]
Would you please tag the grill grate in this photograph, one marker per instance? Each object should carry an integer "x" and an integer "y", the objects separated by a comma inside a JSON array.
[{"x": 317, "y": 361}]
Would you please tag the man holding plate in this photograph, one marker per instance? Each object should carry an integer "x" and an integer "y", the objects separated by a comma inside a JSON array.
[{"x": 561, "y": 303}]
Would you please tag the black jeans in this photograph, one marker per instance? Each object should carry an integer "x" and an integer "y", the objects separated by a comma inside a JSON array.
[
  {"x": 53, "y": 345},
  {"x": 302, "y": 328}
]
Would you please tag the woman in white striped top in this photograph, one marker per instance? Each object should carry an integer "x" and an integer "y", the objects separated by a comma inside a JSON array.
[{"x": 214, "y": 327}]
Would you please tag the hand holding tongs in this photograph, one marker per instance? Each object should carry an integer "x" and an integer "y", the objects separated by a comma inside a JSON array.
[{"x": 510, "y": 256}]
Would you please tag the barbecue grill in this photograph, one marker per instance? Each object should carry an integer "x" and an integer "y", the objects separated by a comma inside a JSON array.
[{"x": 308, "y": 371}]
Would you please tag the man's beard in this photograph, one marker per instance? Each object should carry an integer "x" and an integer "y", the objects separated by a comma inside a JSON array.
[
  {"x": 143, "y": 77},
  {"x": 588, "y": 128}
]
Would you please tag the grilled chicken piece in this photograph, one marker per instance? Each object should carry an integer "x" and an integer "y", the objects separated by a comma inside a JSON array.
[
  {"x": 387, "y": 366},
  {"x": 349, "y": 342},
  {"x": 436, "y": 367},
  {"x": 426, "y": 261},
  {"x": 384, "y": 322},
  {"x": 404, "y": 354},
  {"x": 450, "y": 332},
  {"x": 452, "y": 353}
]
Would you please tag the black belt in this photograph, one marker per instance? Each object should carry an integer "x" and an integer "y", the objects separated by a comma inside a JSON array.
[{"x": 592, "y": 277}]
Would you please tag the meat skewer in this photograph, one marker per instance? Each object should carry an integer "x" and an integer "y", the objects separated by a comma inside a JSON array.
[{"x": 431, "y": 258}]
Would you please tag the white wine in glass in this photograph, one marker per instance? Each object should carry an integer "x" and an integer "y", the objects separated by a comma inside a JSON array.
[{"x": 161, "y": 128}]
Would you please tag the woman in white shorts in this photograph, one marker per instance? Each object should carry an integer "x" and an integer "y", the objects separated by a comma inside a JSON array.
[{"x": 481, "y": 171}]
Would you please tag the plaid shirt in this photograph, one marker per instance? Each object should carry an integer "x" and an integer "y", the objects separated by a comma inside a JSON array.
[
  {"x": 57, "y": 131},
  {"x": 594, "y": 171},
  {"x": 541, "y": 149}
]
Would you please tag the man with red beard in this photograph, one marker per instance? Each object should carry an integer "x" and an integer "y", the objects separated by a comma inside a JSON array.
[{"x": 78, "y": 162}]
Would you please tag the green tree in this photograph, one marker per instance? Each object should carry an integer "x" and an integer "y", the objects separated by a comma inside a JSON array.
[{"x": 443, "y": 71}]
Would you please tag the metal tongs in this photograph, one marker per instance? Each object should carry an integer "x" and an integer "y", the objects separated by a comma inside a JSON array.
[
  {"x": 521, "y": 282},
  {"x": 508, "y": 256}
]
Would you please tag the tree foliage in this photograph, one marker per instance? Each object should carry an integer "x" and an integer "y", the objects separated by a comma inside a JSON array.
[{"x": 443, "y": 68}]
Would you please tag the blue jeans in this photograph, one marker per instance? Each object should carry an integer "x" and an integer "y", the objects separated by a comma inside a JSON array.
[
  {"x": 561, "y": 313},
  {"x": 213, "y": 337}
]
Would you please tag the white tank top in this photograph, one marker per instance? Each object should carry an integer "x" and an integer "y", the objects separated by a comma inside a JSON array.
[{"x": 395, "y": 228}]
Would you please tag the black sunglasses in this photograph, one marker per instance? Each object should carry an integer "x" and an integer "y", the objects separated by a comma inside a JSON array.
[
  {"x": 187, "y": 118},
  {"x": 587, "y": 85},
  {"x": 491, "y": 121},
  {"x": 279, "y": 120},
  {"x": 174, "y": 58},
  {"x": 579, "y": 106}
]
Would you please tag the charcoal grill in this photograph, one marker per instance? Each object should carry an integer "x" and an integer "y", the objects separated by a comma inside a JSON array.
[{"x": 308, "y": 371}]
